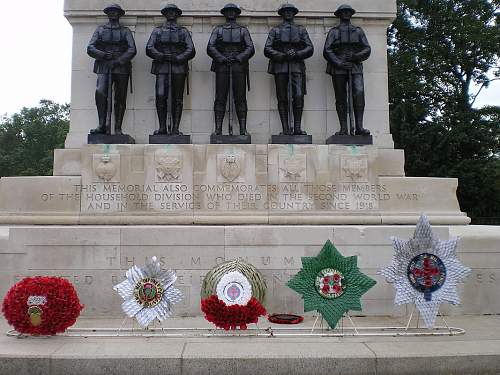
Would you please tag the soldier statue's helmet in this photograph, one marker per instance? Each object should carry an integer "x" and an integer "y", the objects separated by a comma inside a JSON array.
[
  {"x": 285, "y": 6},
  {"x": 344, "y": 7},
  {"x": 231, "y": 6},
  {"x": 111, "y": 7},
  {"x": 168, "y": 7}
]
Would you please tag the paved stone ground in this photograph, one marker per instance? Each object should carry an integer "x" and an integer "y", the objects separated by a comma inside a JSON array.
[{"x": 475, "y": 353}]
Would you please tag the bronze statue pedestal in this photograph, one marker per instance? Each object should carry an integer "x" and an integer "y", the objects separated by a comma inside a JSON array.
[
  {"x": 109, "y": 139},
  {"x": 230, "y": 139},
  {"x": 285, "y": 139},
  {"x": 359, "y": 140},
  {"x": 169, "y": 139}
]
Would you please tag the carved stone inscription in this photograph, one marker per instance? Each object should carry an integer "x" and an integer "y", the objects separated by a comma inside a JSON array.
[
  {"x": 183, "y": 179},
  {"x": 229, "y": 180},
  {"x": 140, "y": 197}
]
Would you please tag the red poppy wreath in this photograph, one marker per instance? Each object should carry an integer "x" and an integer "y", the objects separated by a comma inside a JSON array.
[
  {"x": 41, "y": 305},
  {"x": 232, "y": 295}
]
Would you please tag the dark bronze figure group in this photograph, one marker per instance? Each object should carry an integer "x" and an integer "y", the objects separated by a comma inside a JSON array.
[
  {"x": 230, "y": 46},
  {"x": 113, "y": 47},
  {"x": 171, "y": 47}
]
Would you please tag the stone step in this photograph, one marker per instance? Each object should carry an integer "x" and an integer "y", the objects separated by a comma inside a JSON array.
[
  {"x": 477, "y": 352},
  {"x": 4, "y": 239}
]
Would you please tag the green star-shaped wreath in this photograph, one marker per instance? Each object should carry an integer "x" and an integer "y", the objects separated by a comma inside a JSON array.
[{"x": 331, "y": 284}]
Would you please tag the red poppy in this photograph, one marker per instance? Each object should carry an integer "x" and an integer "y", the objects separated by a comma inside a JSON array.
[{"x": 60, "y": 309}]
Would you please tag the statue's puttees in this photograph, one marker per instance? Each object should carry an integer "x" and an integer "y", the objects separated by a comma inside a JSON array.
[
  {"x": 287, "y": 46},
  {"x": 113, "y": 47},
  {"x": 345, "y": 48},
  {"x": 230, "y": 46},
  {"x": 171, "y": 47}
]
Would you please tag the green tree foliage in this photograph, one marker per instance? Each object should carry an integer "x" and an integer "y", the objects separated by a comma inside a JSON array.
[
  {"x": 28, "y": 139},
  {"x": 440, "y": 51}
]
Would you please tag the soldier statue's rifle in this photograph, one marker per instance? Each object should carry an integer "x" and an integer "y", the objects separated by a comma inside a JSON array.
[
  {"x": 230, "y": 121},
  {"x": 290, "y": 101},
  {"x": 110, "y": 100},
  {"x": 350, "y": 99},
  {"x": 350, "y": 104},
  {"x": 170, "y": 124}
]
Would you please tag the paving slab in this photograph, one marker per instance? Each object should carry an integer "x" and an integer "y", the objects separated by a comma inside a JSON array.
[{"x": 475, "y": 353}]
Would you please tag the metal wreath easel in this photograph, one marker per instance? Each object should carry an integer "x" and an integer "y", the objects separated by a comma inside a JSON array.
[{"x": 256, "y": 331}]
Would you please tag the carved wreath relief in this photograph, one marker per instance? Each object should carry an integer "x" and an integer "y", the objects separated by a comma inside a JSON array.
[
  {"x": 230, "y": 167},
  {"x": 354, "y": 168},
  {"x": 168, "y": 167},
  {"x": 292, "y": 168},
  {"x": 105, "y": 168}
]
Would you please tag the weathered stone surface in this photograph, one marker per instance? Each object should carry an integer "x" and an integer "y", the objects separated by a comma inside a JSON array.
[
  {"x": 230, "y": 180},
  {"x": 48, "y": 195},
  {"x": 67, "y": 162},
  {"x": 96, "y": 258},
  {"x": 232, "y": 184}
]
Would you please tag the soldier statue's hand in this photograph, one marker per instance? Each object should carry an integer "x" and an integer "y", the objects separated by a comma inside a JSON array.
[
  {"x": 348, "y": 56},
  {"x": 167, "y": 57},
  {"x": 108, "y": 56},
  {"x": 291, "y": 54},
  {"x": 232, "y": 60},
  {"x": 346, "y": 65}
]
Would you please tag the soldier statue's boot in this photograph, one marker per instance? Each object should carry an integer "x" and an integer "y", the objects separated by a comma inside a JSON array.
[
  {"x": 358, "y": 115},
  {"x": 283, "y": 112},
  {"x": 119, "y": 115},
  {"x": 102, "y": 108},
  {"x": 242, "y": 119},
  {"x": 176, "y": 119},
  {"x": 298, "y": 109},
  {"x": 342, "y": 113},
  {"x": 162, "y": 119},
  {"x": 219, "y": 118}
]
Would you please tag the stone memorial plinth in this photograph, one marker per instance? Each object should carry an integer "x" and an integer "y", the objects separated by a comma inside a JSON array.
[
  {"x": 109, "y": 206},
  {"x": 320, "y": 118},
  {"x": 231, "y": 184}
]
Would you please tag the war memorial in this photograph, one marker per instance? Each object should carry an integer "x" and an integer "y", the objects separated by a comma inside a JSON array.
[{"x": 203, "y": 133}]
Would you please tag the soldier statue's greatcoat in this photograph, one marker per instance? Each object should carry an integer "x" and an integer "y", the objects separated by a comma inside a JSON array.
[
  {"x": 171, "y": 47},
  {"x": 287, "y": 46},
  {"x": 346, "y": 47},
  {"x": 113, "y": 47},
  {"x": 230, "y": 46}
]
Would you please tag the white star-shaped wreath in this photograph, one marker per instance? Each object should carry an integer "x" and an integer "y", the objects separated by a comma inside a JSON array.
[
  {"x": 149, "y": 293},
  {"x": 444, "y": 271}
]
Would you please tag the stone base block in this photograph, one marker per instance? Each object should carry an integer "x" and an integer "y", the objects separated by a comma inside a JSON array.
[
  {"x": 230, "y": 139},
  {"x": 231, "y": 184},
  {"x": 95, "y": 258},
  {"x": 284, "y": 139},
  {"x": 169, "y": 139},
  {"x": 350, "y": 140},
  {"x": 67, "y": 162},
  {"x": 110, "y": 139}
]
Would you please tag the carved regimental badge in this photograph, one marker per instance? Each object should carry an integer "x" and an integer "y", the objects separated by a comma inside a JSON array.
[
  {"x": 105, "y": 168},
  {"x": 168, "y": 167},
  {"x": 230, "y": 167},
  {"x": 354, "y": 168},
  {"x": 292, "y": 168}
]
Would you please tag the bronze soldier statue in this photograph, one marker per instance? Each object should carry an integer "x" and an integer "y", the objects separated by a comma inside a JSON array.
[
  {"x": 171, "y": 47},
  {"x": 287, "y": 46},
  {"x": 345, "y": 48},
  {"x": 230, "y": 46},
  {"x": 113, "y": 47}
]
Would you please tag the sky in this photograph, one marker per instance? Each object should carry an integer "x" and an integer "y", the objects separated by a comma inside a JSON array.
[{"x": 36, "y": 61}]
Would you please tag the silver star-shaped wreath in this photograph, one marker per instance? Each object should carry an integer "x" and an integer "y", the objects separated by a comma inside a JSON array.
[
  {"x": 425, "y": 271},
  {"x": 148, "y": 292}
]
